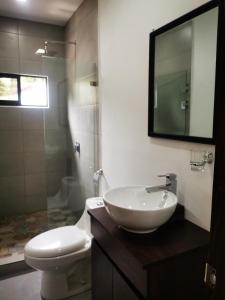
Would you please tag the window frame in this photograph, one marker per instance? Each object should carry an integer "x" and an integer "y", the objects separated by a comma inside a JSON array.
[{"x": 17, "y": 103}]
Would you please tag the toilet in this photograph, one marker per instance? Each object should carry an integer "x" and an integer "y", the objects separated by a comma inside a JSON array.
[{"x": 63, "y": 256}]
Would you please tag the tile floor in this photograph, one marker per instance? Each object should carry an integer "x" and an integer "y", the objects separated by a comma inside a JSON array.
[
  {"x": 27, "y": 287},
  {"x": 17, "y": 230}
]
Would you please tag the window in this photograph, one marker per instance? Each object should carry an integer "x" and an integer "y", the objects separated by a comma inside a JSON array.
[{"x": 23, "y": 90}]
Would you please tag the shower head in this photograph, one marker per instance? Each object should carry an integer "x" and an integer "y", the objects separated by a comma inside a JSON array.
[{"x": 45, "y": 52}]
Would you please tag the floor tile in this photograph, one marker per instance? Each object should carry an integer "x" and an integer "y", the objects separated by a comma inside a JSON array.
[{"x": 27, "y": 287}]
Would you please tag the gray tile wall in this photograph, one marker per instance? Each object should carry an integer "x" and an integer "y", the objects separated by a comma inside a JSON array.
[
  {"x": 33, "y": 142},
  {"x": 83, "y": 106}
]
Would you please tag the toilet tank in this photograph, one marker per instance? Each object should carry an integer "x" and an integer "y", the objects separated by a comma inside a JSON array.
[{"x": 91, "y": 203}]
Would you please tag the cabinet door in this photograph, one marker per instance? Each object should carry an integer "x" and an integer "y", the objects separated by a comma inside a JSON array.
[
  {"x": 102, "y": 278},
  {"x": 121, "y": 289}
]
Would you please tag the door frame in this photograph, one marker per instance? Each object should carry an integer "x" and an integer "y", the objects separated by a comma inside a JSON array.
[{"x": 216, "y": 255}]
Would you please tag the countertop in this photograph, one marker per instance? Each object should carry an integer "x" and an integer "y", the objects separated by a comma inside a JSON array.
[{"x": 169, "y": 241}]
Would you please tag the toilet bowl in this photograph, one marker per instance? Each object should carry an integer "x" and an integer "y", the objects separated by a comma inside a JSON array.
[{"x": 63, "y": 256}]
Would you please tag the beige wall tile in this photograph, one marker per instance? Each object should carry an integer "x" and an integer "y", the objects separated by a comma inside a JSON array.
[
  {"x": 40, "y": 30},
  {"x": 33, "y": 140},
  {"x": 54, "y": 180},
  {"x": 35, "y": 184},
  {"x": 36, "y": 203},
  {"x": 84, "y": 10},
  {"x": 12, "y": 205},
  {"x": 30, "y": 67},
  {"x": 56, "y": 162},
  {"x": 34, "y": 162},
  {"x": 82, "y": 97},
  {"x": 56, "y": 140},
  {"x": 10, "y": 118},
  {"x": 9, "y": 65},
  {"x": 28, "y": 47},
  {"x": 12, "y": 186},
  {"x": 22, "y": 143},
  {"x": 32, "y": 118},
  {"x": 11, "y": 141},
  {"x": 8, "y": 25},
  {"x": 55, "y": 117},
  {"x": 8, "y": 45},
  {"x": 11, "y": 164}
]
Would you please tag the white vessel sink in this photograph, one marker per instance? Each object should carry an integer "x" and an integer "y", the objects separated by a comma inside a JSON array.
[{"x": 137, "y": 211}]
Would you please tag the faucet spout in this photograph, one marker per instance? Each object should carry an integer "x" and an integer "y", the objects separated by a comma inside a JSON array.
[
  {"x": 171, "y": 184},
  {"x": 152, "y": 189}
]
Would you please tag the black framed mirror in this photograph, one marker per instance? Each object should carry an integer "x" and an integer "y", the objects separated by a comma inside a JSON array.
[{"x": 183, "y": 72}]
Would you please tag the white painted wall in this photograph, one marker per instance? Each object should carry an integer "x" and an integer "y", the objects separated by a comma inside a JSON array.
[
  {"x": 203, "y": 73},
  {"x": 128, "y": 155}
]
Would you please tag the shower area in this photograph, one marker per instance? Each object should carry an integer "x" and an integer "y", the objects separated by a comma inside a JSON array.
[{"x": 48, "y": 136}]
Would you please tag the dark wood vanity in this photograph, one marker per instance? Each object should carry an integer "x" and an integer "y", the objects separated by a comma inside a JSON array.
[{"x": 167, "y": 264}]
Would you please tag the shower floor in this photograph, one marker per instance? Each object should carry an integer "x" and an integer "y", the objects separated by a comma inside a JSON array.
[{"x": 16, "y": 231}]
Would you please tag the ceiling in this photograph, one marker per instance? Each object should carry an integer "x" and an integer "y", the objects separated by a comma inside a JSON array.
[{"x": 56, "y": 12}]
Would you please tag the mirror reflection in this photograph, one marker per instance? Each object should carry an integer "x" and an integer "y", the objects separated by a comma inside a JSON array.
[{"x": 184, "y": 77}]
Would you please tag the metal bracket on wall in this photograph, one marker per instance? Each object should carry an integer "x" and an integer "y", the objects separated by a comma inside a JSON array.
[
  {"x": 76, "y": 147},
  {"x": 199, "y": 159}
]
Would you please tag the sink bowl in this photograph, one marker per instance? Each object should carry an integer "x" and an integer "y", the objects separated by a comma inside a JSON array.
[{"x": 135, "y": 210}]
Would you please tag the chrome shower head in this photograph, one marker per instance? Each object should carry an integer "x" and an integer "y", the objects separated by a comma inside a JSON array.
[{"x": 45, "y": 52}]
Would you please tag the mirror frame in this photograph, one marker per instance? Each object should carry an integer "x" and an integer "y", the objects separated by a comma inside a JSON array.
[{"x": 219, "y": 57}]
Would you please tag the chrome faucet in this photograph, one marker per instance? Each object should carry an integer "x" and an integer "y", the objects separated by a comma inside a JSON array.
[{"x": 171, "y": 184}]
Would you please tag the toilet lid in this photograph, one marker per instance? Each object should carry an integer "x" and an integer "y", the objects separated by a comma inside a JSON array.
[{"x": 56, "y": 242}]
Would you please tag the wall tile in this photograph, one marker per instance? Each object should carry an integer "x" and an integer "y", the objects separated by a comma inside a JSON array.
[
  {"x": 9, "y": 65},
  {"x": 34, "y": 162},
  {"x": 8, "y": 25},
  {"x": 8, "y": 45},
  {"x": 10, "y": 118},
  {"x": 33, "y": 140},
  {"x": 12, "y": 205},
  {"x": 56, "y": 140},
  {"x": 30, "y": 67},
  {"x": 82, "y": 97},
  {"x": 22, "y": 135},
  {"x": 56, "y": 162},
  {"x": 53, "y": 64},
  {"x": 35, "y": 184},
  {"x": 11, "y": 164},
  {"x": 41, "y": 30},
  {"x": 28, "y": 47},
  {"x": 54, "y": 180},
  {"x": 85, "y": 93},
  {"x": 11, "y": 186},
  {"x": 11, "y": 141},
  {"x": 55, "y": 117},
  {"x": 32, "y": 118},
  {"x": 85, "y": 9},
  {"x": 36, "y": 203}
]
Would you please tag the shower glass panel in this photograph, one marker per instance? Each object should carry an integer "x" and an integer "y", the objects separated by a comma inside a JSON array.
[
  {"x": 43, "y": 182},
  {"x": 172, "y": 104}
]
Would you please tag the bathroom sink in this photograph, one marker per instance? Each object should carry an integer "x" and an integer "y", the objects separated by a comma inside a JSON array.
[{"x": 136, "y": 210}]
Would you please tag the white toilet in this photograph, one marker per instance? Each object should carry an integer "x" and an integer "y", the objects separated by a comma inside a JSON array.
[{"x": 63, "y": 255}]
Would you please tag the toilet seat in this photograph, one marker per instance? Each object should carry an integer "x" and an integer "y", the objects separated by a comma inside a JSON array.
[{"x": 57, "y": 242}]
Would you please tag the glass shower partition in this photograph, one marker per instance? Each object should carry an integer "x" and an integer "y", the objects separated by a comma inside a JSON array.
[{"x": 50, "y": 181}]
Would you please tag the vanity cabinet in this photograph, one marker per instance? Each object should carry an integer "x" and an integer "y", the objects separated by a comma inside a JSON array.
[
  {"x": 107, "y": 281},
  {"x": 167, "y": 264}
]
